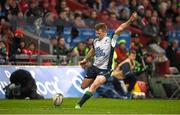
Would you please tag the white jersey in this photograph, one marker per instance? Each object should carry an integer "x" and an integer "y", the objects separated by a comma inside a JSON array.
[{"x": 104, "y": 50}]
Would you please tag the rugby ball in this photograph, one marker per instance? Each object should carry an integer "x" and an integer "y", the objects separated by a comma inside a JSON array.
[{"x": 57, "y": 99}]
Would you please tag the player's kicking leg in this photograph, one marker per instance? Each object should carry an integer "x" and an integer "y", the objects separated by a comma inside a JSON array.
[
  {"x": 86, "y": 82},
  {"x": 100, "y": 79}
]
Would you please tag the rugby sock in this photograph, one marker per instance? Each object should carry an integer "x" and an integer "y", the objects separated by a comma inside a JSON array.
[
  {"x": 123, "y": 86},
  {"x": 85, "y": 97}
]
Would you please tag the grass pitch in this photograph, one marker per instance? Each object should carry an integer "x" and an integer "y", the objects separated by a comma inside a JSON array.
[{"x": 93, "y": 106}]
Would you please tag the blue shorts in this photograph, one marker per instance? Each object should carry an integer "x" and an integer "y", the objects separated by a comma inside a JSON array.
[{"x": 93, "y": 72}]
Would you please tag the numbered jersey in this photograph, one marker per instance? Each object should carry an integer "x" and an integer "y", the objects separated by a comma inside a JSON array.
[{"x": 104, "y": 49}]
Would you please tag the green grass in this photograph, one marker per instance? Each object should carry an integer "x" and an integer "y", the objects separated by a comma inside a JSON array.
[{"x": 93, "y": 106}]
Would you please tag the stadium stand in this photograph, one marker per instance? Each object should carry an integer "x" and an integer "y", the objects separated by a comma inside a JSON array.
[{"x": 42, "y": 23}]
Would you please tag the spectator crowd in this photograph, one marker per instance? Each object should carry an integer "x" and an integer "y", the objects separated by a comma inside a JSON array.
[{"x": 156, "y": 18}]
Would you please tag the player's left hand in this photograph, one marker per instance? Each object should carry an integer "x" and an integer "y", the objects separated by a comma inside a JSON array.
[
  {"x": 133, "y": 16},
  {"x": 83, "y": 63}
]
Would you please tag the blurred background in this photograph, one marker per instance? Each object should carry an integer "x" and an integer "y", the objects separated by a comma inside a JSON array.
[{"x": 61, "y": 32}]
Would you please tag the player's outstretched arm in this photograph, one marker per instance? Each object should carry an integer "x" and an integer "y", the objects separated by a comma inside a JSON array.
[{"x": 124, "y": 25}]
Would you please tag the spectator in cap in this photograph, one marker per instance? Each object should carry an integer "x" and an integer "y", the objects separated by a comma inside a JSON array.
[
  {"x": 120, "y": 51},
  {"x": 19, "y": 33}
]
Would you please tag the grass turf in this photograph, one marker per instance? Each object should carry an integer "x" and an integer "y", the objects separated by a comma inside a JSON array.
[{"x": 93, "y": 106}]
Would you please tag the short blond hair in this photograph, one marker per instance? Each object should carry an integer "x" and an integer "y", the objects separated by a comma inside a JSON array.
[{"x": 101, "y": 26}]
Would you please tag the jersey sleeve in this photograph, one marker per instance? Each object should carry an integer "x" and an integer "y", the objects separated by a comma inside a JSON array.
[{"x": 113, "y": 38}]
